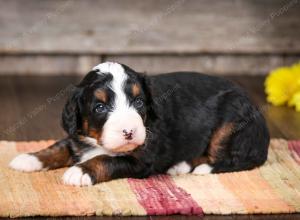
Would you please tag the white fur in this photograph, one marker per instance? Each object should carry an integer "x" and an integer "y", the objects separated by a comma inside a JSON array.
[
  {"x": 123, "y": 116},
  {"x": 74, "y": 176},
  {"x": 117, "y": 84},
  {"x": 203, "y": 169},
  {"x": 94, "y": 152},
  {"x": 26, "y": 163},
  {"x": 112, "y": 136},
  {"x": 91, "y": 154},
  {"x": 91, "y": 141},
  {"x": 180, "y": 168}
]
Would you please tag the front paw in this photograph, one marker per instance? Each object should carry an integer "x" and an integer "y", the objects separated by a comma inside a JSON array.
[
  {"x": 26, "y": 163},
  {"x": 76, "y": 177}
]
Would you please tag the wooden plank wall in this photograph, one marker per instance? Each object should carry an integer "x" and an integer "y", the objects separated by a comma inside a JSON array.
[{"x": 54, "y": 37}]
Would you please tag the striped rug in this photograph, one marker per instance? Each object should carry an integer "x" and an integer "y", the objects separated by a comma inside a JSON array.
[{"x": 272, "y": 188}]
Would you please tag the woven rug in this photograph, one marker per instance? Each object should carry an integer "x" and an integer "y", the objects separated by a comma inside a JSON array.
[{"x": 272, "y": 188}]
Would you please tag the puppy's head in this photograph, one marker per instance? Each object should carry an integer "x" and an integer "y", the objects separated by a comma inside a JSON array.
[{"x": 109, "y": 105}]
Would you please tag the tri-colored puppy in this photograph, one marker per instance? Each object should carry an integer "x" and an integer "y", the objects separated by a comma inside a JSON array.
[{"x": 121, "y": 123}]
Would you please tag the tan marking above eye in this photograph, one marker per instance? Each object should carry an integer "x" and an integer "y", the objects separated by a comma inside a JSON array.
[
  {"x": 136, "y": 90},
  {"x": 101, "y": 95}
]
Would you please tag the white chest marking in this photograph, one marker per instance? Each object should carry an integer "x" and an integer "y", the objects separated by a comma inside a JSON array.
[{"x": 94, "y": 152}]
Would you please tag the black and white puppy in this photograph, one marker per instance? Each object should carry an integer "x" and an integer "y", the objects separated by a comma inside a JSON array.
[{"x": 123, "y": 124}]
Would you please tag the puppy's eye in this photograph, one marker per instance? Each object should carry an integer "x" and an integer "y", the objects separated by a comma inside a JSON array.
[
  {"x": 138, "y": 103},
  {"x": 100, "y": 108}
]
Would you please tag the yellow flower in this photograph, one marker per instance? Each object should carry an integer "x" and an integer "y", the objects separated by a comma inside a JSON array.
[
  {"x": 283, "y": 86},
  {"x": 295, "y": 101}
]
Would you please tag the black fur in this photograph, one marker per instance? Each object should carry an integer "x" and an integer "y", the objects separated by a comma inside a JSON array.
[
  {"x": 182, "y": 111},
  {"x": 188, "y": 115}
]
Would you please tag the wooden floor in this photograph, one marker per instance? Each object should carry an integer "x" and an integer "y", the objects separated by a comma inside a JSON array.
[{"x": 31, "y": 109}]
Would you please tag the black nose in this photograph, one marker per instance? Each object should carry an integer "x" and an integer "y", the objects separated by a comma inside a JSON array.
[{"x": 127, "y": 134}]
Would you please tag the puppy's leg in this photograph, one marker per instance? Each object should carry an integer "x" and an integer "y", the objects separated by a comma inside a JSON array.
[
  {"x": 104, "y": 168},
  {"x": 218, "y": 144},
  {"x": 60, "y": 154},
  {"x": 248, "y": 148}
]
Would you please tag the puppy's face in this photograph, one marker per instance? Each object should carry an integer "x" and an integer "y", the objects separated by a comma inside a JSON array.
[{"x": 111, "y": 107}]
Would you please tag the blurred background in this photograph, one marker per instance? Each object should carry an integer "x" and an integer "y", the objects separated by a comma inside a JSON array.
[
  {"x": 47, "y": 46},
  {"x": 56, "y": 37}
]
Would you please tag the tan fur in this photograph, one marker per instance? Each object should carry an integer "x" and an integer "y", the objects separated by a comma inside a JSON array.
[
  {"x": 85, "y": 125},
  {"x": 217, "y": 140},
  {"x": 136, "y": 90},
  {"x": 216, "y": 144},
  {"x": 101, "y": 95},
  {"x": 94, "y": 134},
  {"x": 54, "y": 157},
  {"x": 99, "y": 168},
  {"x": 198, "y": 161}
]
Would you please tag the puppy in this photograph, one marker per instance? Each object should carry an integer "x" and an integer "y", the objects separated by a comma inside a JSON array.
[{"x": 123, "y": 124}]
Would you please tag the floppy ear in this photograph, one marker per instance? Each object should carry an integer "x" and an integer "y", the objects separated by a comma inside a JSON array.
[
  {"x": 150, "y": 100},
  {"x": 71, "y": 118}
]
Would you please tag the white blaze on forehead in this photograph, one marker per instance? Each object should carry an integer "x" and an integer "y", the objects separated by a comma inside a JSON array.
[
  {"x": 109, "y": 67},
  {"x": 117, "y": 83}
]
